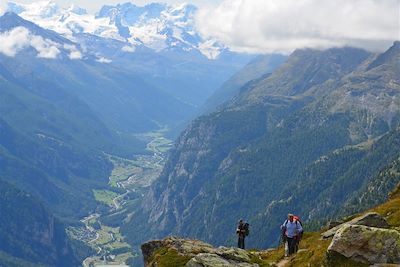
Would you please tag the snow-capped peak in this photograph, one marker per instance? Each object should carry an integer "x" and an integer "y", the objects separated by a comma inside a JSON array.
[
  {"x": 157, "y": 25},
  {"x": 41, "y": 9}
]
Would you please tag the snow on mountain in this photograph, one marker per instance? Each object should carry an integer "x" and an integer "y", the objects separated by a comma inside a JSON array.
[{"x": 157, "y": 26}]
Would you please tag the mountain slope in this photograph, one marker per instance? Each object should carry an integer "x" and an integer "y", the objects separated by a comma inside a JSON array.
[
  {"x": 57, "y": 173},
  {"x": 30, "y": 238},
  {"x": 262, "y": 65},
  {"x": 235, "y": 162}
]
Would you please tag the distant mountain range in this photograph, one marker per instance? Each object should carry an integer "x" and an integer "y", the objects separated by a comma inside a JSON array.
[
  {"x": 159, "y": 42},
  {"x": 157, "y": 26}
]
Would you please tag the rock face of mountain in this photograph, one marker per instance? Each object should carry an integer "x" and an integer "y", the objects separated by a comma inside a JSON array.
[
  {"x": 30, "y": 238},
  {"x": 273, "y": 148}
]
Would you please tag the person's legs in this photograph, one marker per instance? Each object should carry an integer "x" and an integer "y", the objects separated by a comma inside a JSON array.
[
  {"x": 241, "y": 242},
  {"x": 291, "y": 244},
  {"x": 286, "y": 248},
  {"x": 296, "y": 245}
]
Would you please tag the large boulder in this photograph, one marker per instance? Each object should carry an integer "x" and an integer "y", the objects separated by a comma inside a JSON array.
[
  {"x": 367, "y": 244},
  {"x": 235, "y": 254},
  {"x": 371, "y": 219},
  {"x": 214, "y": 260}
]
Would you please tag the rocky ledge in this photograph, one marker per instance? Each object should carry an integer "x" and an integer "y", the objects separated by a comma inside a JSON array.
[{"x": 193, "y": 253}]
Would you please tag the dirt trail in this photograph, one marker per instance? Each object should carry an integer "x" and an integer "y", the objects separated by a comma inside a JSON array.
[{"x": 282, "y": 263}]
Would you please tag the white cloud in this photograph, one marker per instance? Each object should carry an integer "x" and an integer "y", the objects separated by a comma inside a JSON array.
[
  {"x": 103, "y": 60},
  {"x": 74, "y": 53},
  {"x": 284, "y": 25},
  {"x": 14, "y": 41},
  {"x": 19, "y": 38},
  {"x": 128, "y": 49},
  {"x": 45, "y": 48}
]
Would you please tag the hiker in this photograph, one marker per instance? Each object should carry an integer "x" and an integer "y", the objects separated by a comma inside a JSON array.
[
  {"x": 242, "y": 231},
  {"x": 292, "y": 232}
]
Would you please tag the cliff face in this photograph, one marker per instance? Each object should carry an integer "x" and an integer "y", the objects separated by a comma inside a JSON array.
[{"x": 316, "y": 116}]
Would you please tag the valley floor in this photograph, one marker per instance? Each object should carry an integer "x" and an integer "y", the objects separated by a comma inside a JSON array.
[{"x": 129, "y": 180}]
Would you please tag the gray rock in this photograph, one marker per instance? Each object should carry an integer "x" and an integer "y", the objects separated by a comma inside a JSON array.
[
  {"x": 235, "y": 254},
  {"x": 332, "y": 224},
  {"x": 367, "y": 244},
  {"x": 182, "y": 246},
  {"x": 371, "y": 219},
  {"x": 214, "y": 260}
]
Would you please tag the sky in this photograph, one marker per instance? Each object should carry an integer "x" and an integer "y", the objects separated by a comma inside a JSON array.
[{"x": 285, "y": 25}]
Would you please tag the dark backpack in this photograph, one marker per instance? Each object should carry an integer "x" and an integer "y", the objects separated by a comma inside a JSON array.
[{"x": 246, "y": 229}]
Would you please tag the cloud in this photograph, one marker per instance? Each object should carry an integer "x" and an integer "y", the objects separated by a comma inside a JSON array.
[
  {"x": 19, "y": 38},
  {"x": 14, "y": 41},
  {"x": 128, "y": 49},
  {"x": 74, "y": 53},
  {"x": 45, "y": 48},
  {"x": 103, "y": 60},
  {"x": 285, "y": 25}
]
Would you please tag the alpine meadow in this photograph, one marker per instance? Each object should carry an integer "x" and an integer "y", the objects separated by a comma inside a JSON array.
[{"x": 249, "y": 133}]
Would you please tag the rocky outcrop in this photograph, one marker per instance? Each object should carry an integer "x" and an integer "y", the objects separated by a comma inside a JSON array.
[
  {"x": 214, "y": 260},
  {"x": 182, "y": 246},
  {"x": 198, "y": 253},
  {"x": 371, "y": 219},
  {"x": 367, "y": 244}
]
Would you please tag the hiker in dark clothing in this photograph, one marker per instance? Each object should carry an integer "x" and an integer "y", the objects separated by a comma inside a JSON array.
[
  {"x": 241, "y": 232},
  {"x": 292, "y": 230}
]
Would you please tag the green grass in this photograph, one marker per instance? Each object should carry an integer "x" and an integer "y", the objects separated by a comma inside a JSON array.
[
  {"x": 391, "y": 209},
  {"x": 168, "y": 257},
  {"x": 123, "y": 169},
  {"x": 105, "y": 196}
]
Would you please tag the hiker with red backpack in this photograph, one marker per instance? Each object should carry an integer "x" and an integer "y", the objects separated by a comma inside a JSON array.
[{"x": 292, "y": 232}]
